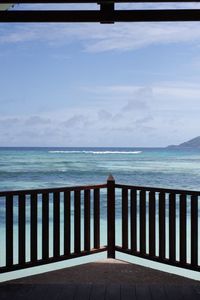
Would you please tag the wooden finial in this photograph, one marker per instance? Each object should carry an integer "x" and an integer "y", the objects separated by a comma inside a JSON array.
[{"x": 110, "y": 178}]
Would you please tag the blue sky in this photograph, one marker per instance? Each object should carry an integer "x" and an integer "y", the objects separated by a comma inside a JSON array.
[{"x": 125, "y": 84}]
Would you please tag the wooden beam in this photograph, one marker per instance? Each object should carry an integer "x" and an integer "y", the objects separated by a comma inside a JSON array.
[{"x": 98, "y": 16}]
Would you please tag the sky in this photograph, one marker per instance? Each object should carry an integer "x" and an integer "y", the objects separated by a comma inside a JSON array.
[{"x": 123, "y": 84}]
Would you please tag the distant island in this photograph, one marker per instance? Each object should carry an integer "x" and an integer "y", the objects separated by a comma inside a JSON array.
[{"x": 193, "y": 143}]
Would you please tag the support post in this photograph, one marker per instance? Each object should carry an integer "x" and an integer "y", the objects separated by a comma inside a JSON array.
[
  {"x": 111, "y": 216},
  {"x": 107, "y": 10}
]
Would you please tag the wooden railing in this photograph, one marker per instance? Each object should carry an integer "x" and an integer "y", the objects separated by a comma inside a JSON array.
[
  {"x": 50, "y": 225},
  {"x": 23, "y": 211},
  {"x": 163, "y": 225}
]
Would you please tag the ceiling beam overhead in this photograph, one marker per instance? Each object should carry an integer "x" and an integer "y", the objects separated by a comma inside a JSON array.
[
  {"x": 101, "y": 17},
  {"x": 107, "y": 13}
]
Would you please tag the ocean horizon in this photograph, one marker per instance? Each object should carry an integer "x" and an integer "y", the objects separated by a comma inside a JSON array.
[{"x": 42, "y": 167}]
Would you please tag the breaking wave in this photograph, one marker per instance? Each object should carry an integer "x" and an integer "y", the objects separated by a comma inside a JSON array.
[{"x": 95, "y": 152}]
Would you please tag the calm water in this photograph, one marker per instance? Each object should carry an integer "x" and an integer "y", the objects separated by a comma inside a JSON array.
[
  {"x": 22, "y": 168},
  {"x": 26, "y": 168}
]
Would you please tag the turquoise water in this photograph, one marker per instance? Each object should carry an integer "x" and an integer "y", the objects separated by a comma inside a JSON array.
[
  {"x": 22, "y": 168},
  {"x": 27, "y": 168}
]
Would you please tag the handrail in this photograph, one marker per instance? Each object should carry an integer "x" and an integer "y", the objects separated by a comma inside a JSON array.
[
  {"x": 159, "y": 189},
  {"x": 52, "y": 190},
  {"x": 97, "y": 186}
]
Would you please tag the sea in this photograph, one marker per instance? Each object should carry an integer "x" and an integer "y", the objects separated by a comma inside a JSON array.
[{"x": 32, "y": 168}]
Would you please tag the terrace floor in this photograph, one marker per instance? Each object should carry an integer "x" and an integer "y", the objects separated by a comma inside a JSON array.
[{"x": 104, "y": 280}]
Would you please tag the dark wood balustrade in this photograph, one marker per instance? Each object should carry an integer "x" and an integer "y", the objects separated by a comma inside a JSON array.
[
  {"x": 155, "y": 224},
  {"x": 31, "y": 203},
  {"x": 168, "y": 239}
]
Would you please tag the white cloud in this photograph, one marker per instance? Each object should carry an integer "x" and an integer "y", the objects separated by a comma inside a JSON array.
[
  {"x": 140, "y": 99},
  {"x": 104, "y": 115},
  {"x": 36, "y": 121},
  {"x": 101, "y": 38},
  {"x": 76, "y": 121},
  {"x": 162, "y": 119}
]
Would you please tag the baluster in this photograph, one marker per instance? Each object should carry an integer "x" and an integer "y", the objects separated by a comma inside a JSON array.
[
  {"x": 182, "y": 229},
  {"x": 67, "y": 223},
  {"x": 9, "y": 230},
  {"x": 21, "y": 228},
  {"x": 87, "y": 220},
  {"x": 125, "y": 218},
  {"x": 152, "y": 218},
  {"x": 45, "y": 226},
  {"x": 133, "y": 221},
  {"x": 77, "y": 224},
  {"x": 172, "y": 227},
  {"x": 162, "y": 225},
  {"x": 194, "y": 230},
  {"x": 56, "y": 224},
  {"x": 96, "y": 219},
  {"x": 34, "y": 227},
  {"x": 143, "y": 222}
]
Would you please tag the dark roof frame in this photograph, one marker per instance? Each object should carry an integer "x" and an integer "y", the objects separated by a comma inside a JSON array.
[{"x": 106, "y": 14}]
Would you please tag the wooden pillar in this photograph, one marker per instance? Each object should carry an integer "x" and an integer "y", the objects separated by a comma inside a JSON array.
[{"x": 111, "y": 216}]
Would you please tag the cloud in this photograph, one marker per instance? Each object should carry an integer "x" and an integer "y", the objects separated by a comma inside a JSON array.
[
  {"x": 104, "y": 115},
  {"x": 159, "y": 115},
  {"x": 37, "y": 121},
  {"x": 76, "y": 121},
  {"x": 145, "y": 120},
  {"x": 126, "y": 37},
  {"x": 141, "y": 97},
  {"x": 9, "y": 121},
  {"x": 98, "y": 38}
]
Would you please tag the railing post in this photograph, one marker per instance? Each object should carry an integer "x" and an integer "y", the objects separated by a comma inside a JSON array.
[{"x": 111, "y": 216}]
